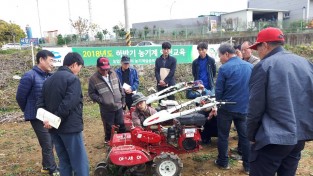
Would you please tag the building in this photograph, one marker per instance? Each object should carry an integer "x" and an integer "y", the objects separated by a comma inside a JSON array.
[
  {"x": 252, "y": 19},
  {"x": 297, "y": 9},
  {"x": 189, "y": 26}
]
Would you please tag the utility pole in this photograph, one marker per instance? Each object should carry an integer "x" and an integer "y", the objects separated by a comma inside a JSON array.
[
  {"x": 90, "y": 35},
  {"x": 127, "y": 28},
  {"x": 69, "y": 16},
  {"x": 39, "y": 20}
]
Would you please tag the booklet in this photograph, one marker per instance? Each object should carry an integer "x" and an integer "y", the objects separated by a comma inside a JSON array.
[
  {"x": 44, "y": 115},
  {"x": 126, "y": 86},
  {"x": 164, "y": 72}
]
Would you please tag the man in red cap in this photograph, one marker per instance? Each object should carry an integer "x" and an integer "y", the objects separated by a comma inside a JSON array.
[
  {"x": 105, "y": 89},
  {"x": 280, "y": 107}
]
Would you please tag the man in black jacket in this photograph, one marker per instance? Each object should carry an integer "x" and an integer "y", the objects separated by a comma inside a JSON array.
[
  {"x": 204, "y": 68},
  {"x": 62, "y": 96},
  {"x": 165, "y": 67}
]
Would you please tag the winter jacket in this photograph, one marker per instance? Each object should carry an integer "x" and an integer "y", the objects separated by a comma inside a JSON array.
[
  {"x": 281, "y": 100},
  {"x": 100, "y": 92},
  {"x": 138, "y": 117},
  {"x": 29, "y": 90},
  {"x": 170, "y": 64},
  {"x": 211, "y": 70},
  {"x": 133, "y": 78},
  {"x": 62, "y": 96},
  {"x": 232, "y": 85}
]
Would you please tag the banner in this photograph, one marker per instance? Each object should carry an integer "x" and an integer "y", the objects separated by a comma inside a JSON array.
[{"x": 139, "y": 55}]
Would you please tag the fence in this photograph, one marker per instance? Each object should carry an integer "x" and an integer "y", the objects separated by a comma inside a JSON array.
[{"x": 192, "y": 34}]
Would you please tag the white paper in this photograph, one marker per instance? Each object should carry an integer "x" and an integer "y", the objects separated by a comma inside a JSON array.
[
  {"x": 126, "y": 86},
  {"x": 45, "y": 115}
]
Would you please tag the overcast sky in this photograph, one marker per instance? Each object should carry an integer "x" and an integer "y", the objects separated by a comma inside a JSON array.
[{"x": 55, "y": 14}]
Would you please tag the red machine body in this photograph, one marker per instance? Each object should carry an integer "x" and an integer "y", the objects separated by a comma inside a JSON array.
[{"x": 128, "y": 155}]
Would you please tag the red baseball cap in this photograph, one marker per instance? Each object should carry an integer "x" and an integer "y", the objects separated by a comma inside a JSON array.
[
  {"x": 269, "y": 34},
  {"x": 103, "y": 63}
]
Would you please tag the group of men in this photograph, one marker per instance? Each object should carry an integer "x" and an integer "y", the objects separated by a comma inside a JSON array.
[{"x": 273, "y": 111}]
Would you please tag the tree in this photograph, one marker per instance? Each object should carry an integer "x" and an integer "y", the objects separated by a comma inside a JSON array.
[
  {"x": 146, "y": 31},
  {"x": 105, "y": 31},
  {"x": 99, "y": 36},
  {"x": 133, "y": 32},
  {"x": 60, "y": 40},
  {"x": 10, "y": 32},
  {"x": 81, "y": 26}
]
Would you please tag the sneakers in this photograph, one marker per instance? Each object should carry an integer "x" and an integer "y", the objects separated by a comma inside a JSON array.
[
  {"x": 45, "y": 171},
  {"x": 235, "y": 156},
  {"x": 246, "y": 171},
  {"x": 55, "y": 173},
  {"x": 220, "y": 166}
]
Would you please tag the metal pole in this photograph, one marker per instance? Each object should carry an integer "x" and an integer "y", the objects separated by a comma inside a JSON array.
[
  {"x": 127, "y": 27},
  {"x": 171, "y": 9},
  {"x": 33, "y": 56},
  {"x": 39, "y": 19}
]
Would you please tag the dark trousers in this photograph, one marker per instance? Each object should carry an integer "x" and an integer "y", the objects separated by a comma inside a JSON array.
[
  {"x": 113, "y": 118},
  {"x": 45, "y": 141},
  {"x": 271, "y": 159},
  {"x": 129, "y": 101},
  {"x": 171, "y": 97},
  {"x": 224, "y": 121}
]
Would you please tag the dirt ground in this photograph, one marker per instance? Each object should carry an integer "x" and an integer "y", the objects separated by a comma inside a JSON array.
[{"x": 20, "y": 152}]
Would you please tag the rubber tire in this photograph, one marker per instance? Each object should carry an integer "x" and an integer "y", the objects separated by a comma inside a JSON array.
[
  {"x": 159, "y": 160},
  {"x": 101, "y": 171}
]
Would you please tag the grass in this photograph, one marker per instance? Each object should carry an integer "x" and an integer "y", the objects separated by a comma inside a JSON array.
[{"x": 204, "y": 157}]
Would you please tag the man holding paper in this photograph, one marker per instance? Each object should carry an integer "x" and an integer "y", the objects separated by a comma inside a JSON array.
[
  {"x": 129, "y": 79},
  {"x": 165, "y": 67},
  {"x": 62, "y": 96}
]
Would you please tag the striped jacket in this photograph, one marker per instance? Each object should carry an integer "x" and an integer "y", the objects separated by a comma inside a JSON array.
[{"x": 100, "y": 92}]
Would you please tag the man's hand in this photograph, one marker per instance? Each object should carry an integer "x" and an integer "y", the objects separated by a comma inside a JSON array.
[
  {"x": 201, "y": 87},
  {"x": 128, "y": 91},
  {"x": 213, "y": 113},
  {"x": 162, "y": 83},
  {"x": 46, "y": 124}
]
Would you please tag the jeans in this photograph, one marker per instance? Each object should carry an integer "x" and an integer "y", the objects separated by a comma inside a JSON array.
[
  {"x": 45, "y": 141},
  {"x": 224, "y": 120},
  {"x": 113, "y": 118},
  {"x": 72, "y": 154},
  {"x": 280, "y": 159}
]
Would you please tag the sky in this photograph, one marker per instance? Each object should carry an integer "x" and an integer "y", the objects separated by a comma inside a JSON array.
[{"x": 55, "y": 15}]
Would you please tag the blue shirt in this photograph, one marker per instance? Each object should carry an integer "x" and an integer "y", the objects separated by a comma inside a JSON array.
[
  {"x": 232, "y": 84},
  {"x": 203, "y": 73}
]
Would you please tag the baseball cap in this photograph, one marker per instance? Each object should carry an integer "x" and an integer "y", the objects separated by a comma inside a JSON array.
[
  {"x": 197, "y": 83},
  {"x": 71, "y": 58},
  {"x": 103, "y": 63},
  {"x": 269, "y": 34},
  {"x": 125, "y": 59}
]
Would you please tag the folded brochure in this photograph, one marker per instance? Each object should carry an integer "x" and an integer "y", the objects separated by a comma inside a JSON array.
[{"x": 45, "y": 115}]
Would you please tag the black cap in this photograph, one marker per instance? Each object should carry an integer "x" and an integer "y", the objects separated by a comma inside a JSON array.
[
  {"x": 71, "y": 58},
  {"x": 125, "y": 59}
]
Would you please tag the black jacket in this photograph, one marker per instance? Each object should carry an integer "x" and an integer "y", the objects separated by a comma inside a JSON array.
[
  {"x": 211, "y": 69},
  {"x": 170, "y": 64},
  {"x": 62, "y": 96}
]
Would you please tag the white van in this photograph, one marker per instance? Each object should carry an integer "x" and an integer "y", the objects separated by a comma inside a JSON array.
[{"x": 11, "y": 46}]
